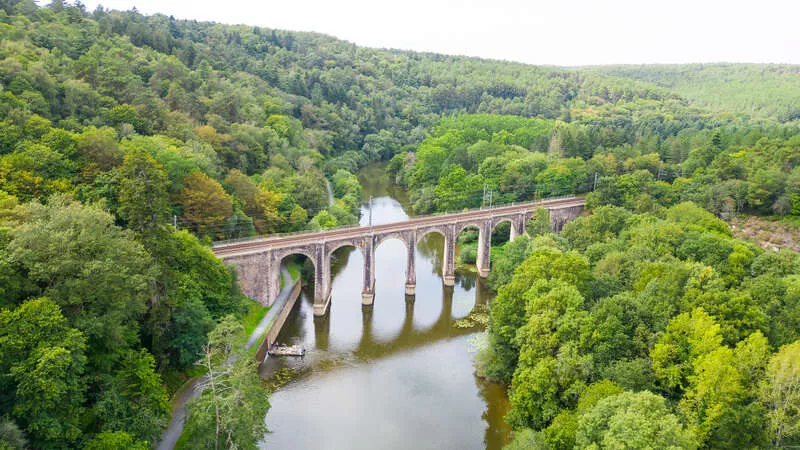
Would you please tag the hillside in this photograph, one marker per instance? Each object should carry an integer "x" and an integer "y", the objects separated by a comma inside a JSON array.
[
  {"x": 260, "y": 113},
  {"x": 758, "y": 90},
  {"x": 129, "y": 143}
]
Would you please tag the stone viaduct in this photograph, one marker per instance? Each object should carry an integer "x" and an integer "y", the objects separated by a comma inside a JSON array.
[{"x": 259, "y": 260}]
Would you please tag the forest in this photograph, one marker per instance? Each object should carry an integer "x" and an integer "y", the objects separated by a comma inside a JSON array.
[
  {"x": 762, "y": 91},
  {"x": 130, "y": 143},
  {"x": 653, "y": 330}
]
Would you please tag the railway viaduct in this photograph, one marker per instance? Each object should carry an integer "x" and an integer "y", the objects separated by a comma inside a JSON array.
[{"x": 259, "y": 260}]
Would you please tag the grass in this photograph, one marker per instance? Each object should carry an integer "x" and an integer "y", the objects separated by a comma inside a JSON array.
[
  {"x": 498, "y": 251},
  {"x": 255, "y": 313},
  {"x": 175, "y": 380},
  {"x": 294, "y": 271},
  {"x": 790, "y": 220}
]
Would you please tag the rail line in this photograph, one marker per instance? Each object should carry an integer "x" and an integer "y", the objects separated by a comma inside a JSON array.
[{"x": 258, "y": 244}]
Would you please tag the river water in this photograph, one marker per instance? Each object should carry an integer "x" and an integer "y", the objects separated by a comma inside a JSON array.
[{"x": 397, "y": 375}]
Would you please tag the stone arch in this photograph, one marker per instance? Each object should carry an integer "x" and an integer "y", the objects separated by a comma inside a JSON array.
[
  {"x": 400, "y": 235},
  {"x": 460, "y": 227},
  {"x": 278, "y": 255},
  {"x": 422, "y": 232},
  {"x": 331, "y": 247},
  {"x": 498, "y": 220}
]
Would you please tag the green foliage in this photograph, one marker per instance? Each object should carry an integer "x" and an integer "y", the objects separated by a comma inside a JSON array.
[
  {"x": 539, "y": 223},
  {"x": 762, "y": 90},
  {"x": 687, "y": 338},
  {"x": 323, "y": 220},
  {"x": 632, "y": 420},
  {"x": 671, "y": 304},
  {"x": 468, "y": 255},
  {"x": 780, "y": 394},
  {"x": 134, "y": 399},
  {"x": 44, "y": 360},
  {"x": 231, "y": 129},
  {"x": 142, "y": 195},
  {"x": 509, "y": 308},
  {"x": 205, "y": 203},
  {"x": 115, "y": 440},
  {"x": 96, "y": 272},
  {"x": 527, "y": 439},
  {"x": 11, "y": 437},
  {"x": 230, "y": 411},
  {"x": 111, "y": 292}
]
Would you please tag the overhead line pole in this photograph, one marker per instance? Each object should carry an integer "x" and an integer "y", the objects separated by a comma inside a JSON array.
[{"x": 370, "y": 210}]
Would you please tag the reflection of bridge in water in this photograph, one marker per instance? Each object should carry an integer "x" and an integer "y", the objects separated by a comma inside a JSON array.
[
  {"x": 259, "y": 260},
  {"x": 409, "y": 337}
]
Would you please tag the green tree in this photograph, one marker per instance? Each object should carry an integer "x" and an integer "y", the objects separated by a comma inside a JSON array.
[
  {"x": 96, "y": 272},
  {"x": 143, "y": 198},
  {"x": 781, "y": 395},
  {"x": 539, "y": 222},
  {"x": 457, "y": 190},
  {"x": 44, "y": 360},
  {"x": 98, "y": 147},
  {"x": 632, "y": 420},
  {"x": 108, "y": 440},
  {"x": 230, "y": 411},
  {"x": 508, "y": 311},
  {"x": 298, "y": 218},
  {"x": 134, "y": 400},
  {"x": 246, "y": 190},
  {"x": 323, "y": 220},
  {"x": 205, "y": 204},
  {"x": 688, "y": 337}
]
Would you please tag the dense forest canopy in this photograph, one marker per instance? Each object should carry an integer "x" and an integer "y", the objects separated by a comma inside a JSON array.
[
  {"x": 759, "y": 90},
  {"x": 656, "y": 330},
  {"x": 129, "y": 142}
]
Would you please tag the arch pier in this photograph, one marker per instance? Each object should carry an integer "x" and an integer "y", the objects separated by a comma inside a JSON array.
[{"x": 258, "y": 261}]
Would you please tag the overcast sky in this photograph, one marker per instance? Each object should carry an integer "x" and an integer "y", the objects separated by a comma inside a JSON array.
[{"x": 554, "y": 32}]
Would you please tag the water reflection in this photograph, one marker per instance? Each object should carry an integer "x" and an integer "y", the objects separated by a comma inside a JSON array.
[{"x": 396, "y": 374}]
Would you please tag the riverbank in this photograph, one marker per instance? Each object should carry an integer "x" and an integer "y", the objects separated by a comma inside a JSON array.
[{"x": 191, "y": 389}]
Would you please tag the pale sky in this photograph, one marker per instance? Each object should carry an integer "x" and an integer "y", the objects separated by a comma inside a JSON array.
[{"x": 552, "y": 32}]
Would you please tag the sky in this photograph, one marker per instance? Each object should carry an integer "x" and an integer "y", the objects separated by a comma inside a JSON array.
[{"x": 547, "y": 32}]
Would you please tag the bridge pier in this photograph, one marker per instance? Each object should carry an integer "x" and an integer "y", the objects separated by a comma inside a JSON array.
[
  {"x": 484, "y": 248},
  {"x": 368, "y": 292},
  {"x": 258, "y": 277},
  {"x": 449, "y": 257},
  {"x": 517, "y": 227},
  {"x": 322, "y": 282},
  {"x": 258, "y": 261},
  {"x": 560, "y": 216},
  {"x": 411, "y": 276}
]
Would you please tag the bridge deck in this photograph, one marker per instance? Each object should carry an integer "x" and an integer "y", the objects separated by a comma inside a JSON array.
[{"x": 262, "y": 244}]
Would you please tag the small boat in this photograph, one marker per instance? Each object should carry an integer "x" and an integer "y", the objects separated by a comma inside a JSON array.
[{"x": 284, "y": 350}]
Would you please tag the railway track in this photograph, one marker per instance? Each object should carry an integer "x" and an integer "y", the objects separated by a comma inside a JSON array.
[{"x": 235, "y": 248}]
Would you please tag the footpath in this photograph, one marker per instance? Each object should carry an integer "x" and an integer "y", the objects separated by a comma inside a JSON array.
[{"x": 193, "y": 388}]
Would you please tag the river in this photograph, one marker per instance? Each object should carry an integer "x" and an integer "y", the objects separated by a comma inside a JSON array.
[{"x": 397, "y": 375}]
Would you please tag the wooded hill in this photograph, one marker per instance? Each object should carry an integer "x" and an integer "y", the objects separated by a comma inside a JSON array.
[
  {"x": 758, "y": 90},
  {"x": 114, "y": 126}
]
